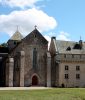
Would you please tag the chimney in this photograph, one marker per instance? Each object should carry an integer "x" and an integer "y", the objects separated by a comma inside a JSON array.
[
  {"x": 53, "y": 38},
  {"x": 81, "y": 43}
]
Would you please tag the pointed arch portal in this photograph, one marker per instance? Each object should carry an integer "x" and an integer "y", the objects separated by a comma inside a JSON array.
[{"x": 34, "y": 80}]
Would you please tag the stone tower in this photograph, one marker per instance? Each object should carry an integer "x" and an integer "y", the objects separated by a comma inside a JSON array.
[{"x": 15, "y": 39}]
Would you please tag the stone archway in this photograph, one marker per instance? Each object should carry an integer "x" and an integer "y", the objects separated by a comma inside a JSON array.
[{"x": 34, "y": 80}]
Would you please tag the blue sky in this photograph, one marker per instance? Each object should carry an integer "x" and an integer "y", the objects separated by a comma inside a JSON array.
[{"x": 64, "y": 19}]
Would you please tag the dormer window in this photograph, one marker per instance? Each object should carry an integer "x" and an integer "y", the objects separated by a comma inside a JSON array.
[
  {"x": 77, "y": 46},
  {"x": 68, "y": 48}
]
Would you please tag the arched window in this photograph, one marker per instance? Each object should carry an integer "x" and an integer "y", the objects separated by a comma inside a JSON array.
[{"x": 34, "y": 58}]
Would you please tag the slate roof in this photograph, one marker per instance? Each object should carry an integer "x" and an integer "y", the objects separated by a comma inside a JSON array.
[
  {"x": 35, "y": 33},
  {"x": 17, "y": 36},
  {"x": 63, "y": 47}
]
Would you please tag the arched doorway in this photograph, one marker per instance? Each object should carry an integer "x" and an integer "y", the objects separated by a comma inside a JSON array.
[{"x": 34, "y": 80}]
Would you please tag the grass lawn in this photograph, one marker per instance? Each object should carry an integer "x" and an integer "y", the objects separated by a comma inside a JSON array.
[{"x": 47, "y": 94}]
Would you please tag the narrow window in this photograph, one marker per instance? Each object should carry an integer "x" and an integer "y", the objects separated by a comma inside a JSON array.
[
  {"x": 77, "y": 68},
  {"x": 15, "y": 42},
  {"x": 64, "y": 56},
  {"x": 34, "y": 58},
  {"x": 80, "y": 56},
  {"x": 72, "y": 56},
  {"x": 35, "y": 35},
  {"x": 66, "y": 67},
  {"x": 66, "y": 76},
  {"x": 77, "y": 76}
]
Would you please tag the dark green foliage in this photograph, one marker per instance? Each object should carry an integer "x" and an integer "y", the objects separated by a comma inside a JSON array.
[{"x": 4, "y": 45}]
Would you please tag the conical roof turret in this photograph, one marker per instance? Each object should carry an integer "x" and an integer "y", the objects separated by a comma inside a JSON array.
[{"x": 17, "y": 36}]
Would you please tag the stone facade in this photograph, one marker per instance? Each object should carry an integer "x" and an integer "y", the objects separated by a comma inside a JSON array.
[
  {"x": 30, "y": 63},
  {"x": 68, "y": 63}
]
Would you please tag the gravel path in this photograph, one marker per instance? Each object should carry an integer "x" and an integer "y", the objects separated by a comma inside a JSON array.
[{"x": 23, "y": 88}]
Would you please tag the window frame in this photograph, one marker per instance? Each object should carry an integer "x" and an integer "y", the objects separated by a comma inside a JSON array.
[
  {"x": 66, "y": 76},
  {"x": 66, "y": 67},
  {"x": 77, "y": 68},
  {"x": 77, "y": 76}
]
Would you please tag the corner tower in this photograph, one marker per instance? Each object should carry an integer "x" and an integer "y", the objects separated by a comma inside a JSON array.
[{"x": 15, "y": 39}]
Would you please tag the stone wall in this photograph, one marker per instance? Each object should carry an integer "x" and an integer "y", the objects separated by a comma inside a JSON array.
[
  {"x": 72, "y": 81},
  {"x": 41, "y": 63},
  {"x": 33, "y": 40}
]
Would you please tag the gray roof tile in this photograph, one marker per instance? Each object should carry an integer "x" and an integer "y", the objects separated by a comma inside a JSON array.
[{"x": 61, "y": 47}]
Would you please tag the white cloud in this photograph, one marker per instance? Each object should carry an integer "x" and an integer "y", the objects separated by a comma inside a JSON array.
[
  {"x": 19, "y": 3},
  {"x": 63, "y": 36},
  {"x": 48, "y": 37},
  {"x": 26, "y": 20},
  {"x": 50, "y": 34}
]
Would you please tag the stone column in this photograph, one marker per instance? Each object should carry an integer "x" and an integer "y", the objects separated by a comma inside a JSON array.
[
  {"x": 48, "y": 69},
  {"x": 11, "y": 66},
  {"x": 7, "y": 72},
  {"x": 22, "y": 63}
]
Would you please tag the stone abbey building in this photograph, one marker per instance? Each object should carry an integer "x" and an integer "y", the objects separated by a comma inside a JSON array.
[{"x": 28, "y": 62}]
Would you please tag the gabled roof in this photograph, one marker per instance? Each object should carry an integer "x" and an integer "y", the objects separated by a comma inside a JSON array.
[
  {"x": 62, "y": 47},
  {"x": 17, "y": 36},
  {"x": 35, "y": 33}
]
